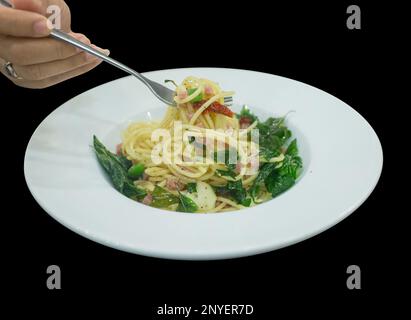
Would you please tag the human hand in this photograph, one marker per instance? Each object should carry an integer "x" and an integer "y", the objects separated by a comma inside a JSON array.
[{"x": 40, "y": 61}]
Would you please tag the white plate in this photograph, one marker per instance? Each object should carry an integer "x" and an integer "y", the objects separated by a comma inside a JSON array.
[{"x": 341, "y": 152}]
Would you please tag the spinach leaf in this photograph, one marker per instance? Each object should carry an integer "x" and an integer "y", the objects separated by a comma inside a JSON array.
[
  {"x": 292, "y": 149},
  {"x": 162, "y": 198},
  {"x": 133, "y": 192},
  {"x": 124, "y": 161},
  {"x": 102, "y": 150},
  {"x": 264, "y": 172},
  {"x": 246, "y": 113},
  {"x": 227, "y": 173},
  {"x": 236, "y": 191},
  {"x": 291, "y": 166},
  {"x": 292, "y": 163},
  {"x": 116, "y": 168},
  {"x": 273, "y": 135},
  {"x": 192, "y": 187},
  {"x": 186, "y": 204},
  {"x": 267, "y": 153},
  {"x": 277, "y": 183},
  {"x": 246, "y": 202}
]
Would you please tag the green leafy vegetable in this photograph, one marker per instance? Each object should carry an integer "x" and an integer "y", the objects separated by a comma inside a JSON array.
[
  {"x": 162, "y": 198},
  {"x": 264, "y": 172},
  {"x": 273, "y": 135},
  {"x": 277, "y": 180},
  {"x": 135, "y": 171},
  {"x": 116, "y": 168},
  {"x": 291, "y": 166},
  {"x": 246, "y": 113},
  {"x": 246, "y": 202},
  {"x": 197, "y": 98},
  {"x": 192, "y": 187},
  {"x": 227, "y": 173},
  {"x": 133, "y": 192},
  {"x": 236, "y": 191},
  {"x": 292, "y": 149},
  {"x": 124, "y": 161},
  {"x": 186, "y": 204},
  {"x": 277, "y": 183},
  {"x": 292, "y": 163}
]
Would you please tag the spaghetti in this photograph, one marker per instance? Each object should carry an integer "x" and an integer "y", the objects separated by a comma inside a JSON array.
[{"x": 201, "y": 157}]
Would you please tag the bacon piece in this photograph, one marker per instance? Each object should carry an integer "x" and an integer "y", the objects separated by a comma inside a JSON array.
[
  {"x": 238, "y": 167},
  {"x": 208, "y": 90},
  {"x": 148, "y": 199},
  {"x": 190, "y": 115},
  {"x": 182, "y": 92},
  {"x": 174, "y": 184},
  {"x": 220, "y": 108},
  {"x": 182, "y": 95},
  {"x": 119, "y": 152},
  {"x": 245, "y": 122},
  {"x": 216, "y": 107}
]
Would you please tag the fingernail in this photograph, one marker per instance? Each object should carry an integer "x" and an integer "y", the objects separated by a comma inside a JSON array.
[
  {"x": 42, "y": 27},
  {"x": 81, "y": 37}
]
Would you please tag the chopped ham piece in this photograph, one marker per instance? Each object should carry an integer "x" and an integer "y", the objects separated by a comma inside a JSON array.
[
  {"x": 245, "y": 122},
  {"x": 148, "y": 199},
  {"x": 182, "y": 92},
  {"x": 119, "y": 152},
  {"x": 183, "y": 95},
  {"x": 254, "y": 165},
  {"x": 174, "y": 184},
  {"x": 208, "y": 90}
]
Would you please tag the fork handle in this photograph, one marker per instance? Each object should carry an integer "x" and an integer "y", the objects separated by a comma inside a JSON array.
[{"x": 60, "y": 35}]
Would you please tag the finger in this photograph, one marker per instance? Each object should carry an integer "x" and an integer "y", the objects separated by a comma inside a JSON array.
[
  {"x": 49, "y": 69},
  {"x": 27, "y": 51},
  {"x": 42, "y": 7},
  {"x": 19, "y": 23},
  {"x": 31, "y": 5},
  {"x": 41, "y": 84}
]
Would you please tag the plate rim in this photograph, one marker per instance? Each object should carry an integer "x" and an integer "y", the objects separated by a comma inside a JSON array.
[{"x": 209, "y": 256}]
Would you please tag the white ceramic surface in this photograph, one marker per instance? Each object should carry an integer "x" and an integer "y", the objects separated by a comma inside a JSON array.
[{"x": 341, "y": 152}]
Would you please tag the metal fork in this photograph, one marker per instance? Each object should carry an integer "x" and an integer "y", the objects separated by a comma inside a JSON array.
[{"x": 163, "y": 93}]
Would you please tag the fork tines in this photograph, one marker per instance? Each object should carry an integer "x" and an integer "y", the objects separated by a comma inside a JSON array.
[{"x": 228, "y": 101}]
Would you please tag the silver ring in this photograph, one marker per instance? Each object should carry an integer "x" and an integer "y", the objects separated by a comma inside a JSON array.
[{"x": 8, "y": 67}]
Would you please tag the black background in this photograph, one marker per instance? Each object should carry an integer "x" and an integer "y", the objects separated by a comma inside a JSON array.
[{"x": 308, "y": 42}]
